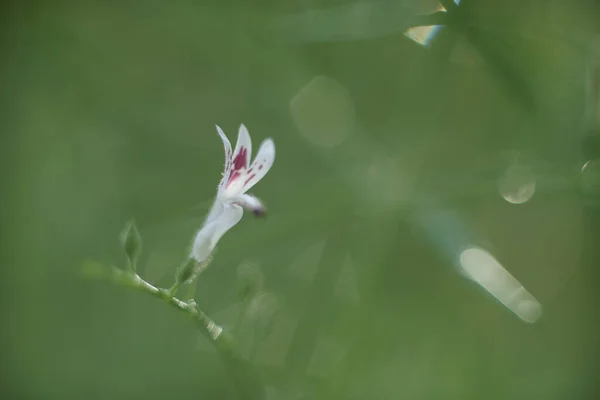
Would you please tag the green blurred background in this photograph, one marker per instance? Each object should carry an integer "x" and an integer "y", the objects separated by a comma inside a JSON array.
[{"x": 395, "y": 153}]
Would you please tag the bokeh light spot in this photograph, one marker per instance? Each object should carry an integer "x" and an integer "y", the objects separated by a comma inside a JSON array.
[
  {"x": 323, "y": 112},
  {"x": 518, "y": 184},
  {"x": 481, "y": 267}
]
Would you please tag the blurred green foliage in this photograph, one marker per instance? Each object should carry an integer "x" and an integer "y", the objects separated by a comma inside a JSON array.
[{"x": 108, "y": 113}]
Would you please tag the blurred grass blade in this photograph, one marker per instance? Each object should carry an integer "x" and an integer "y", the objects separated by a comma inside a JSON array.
[
  {"x": 358, "y": 21},
  {"x": 499, "y": 54}
]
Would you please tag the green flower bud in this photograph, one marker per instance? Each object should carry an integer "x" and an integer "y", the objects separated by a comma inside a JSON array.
[{"x": 132, "y": 244}]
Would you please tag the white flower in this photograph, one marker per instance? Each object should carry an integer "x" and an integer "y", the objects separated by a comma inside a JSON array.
[{"x": 239, "y": 176}]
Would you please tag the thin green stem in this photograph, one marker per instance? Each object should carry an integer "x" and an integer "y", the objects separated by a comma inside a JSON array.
[
  {"x": 248, "y": 381},
  {"x": 209, "y": 328},
  {"x": 131, "y": 265},
  {"x": 173, "y": 289}
]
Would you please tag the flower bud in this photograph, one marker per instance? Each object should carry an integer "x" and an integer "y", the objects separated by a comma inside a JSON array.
[{"x": 132, "y": 244}]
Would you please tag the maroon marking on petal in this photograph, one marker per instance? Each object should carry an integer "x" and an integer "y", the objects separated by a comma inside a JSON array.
[
  {"x": 260, "y": 167},
  {"x": 241, "y": 160},
  {"x": 234, "y": 175},
  {"x": 250, "y": 170},
  {"x": 248, "y": 180}
]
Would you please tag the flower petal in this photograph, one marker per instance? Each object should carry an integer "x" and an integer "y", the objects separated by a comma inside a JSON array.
[
  {"x": 215, "y": 211},
  {"x": 228, "y": 156},
  {"x": 239, "y": 166},
  {"x": 206, "y": 239},
  {"x": 244, "y": 180},
  {"x": 231, "y": 215},
  {"x": 243, "y": 149}
]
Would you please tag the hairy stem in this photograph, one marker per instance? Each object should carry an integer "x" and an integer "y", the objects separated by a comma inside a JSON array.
[
  {"x": 210, "y": 329},
  {"x": 173, "y": 289},
  {"x": 247, "y": 381}
]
